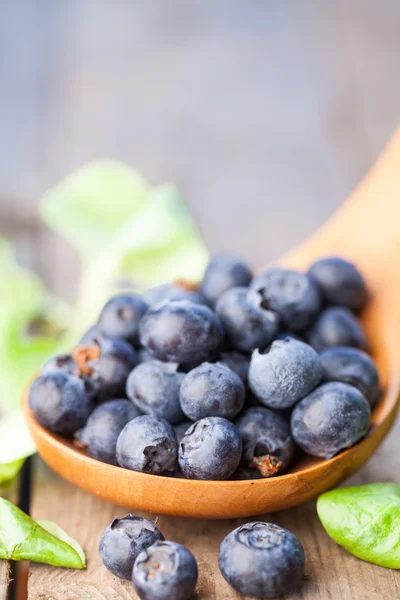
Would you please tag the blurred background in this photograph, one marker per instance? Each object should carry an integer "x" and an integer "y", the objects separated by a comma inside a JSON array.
[{"x": 265, "y": 114}]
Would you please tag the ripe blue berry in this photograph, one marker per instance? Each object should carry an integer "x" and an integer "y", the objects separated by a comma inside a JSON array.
[
  {"x": 148, "y": 445},
  {"x": 340, "y": 282},
  {"x": 165, "y": 571},
  {"x": 123, "y": 541},
  {"x": 287, "y": 372},
  {"x": 336, "y": 326},
  {"x": 247, "y": 324},
  {"x": 350, "y": 365},
  {"x": 60, "y": 362},
  {"x": 262, "y": 560},
  {"x": 333, "y": 417},
  {"x": 210, "y": 449},
  {"x": 267, "y": 443},
  {"x": 180, "y": 331},
  {"x": 294, "y": 296},
  {"x": 59, "y": 402},
  {"x": 223, "y": 272},
  {"x": 100, "y": 434},
  {"x": 177, "y": 290},
  {"x": 120, "y": 317},
  {"x": 211, "y": 390},
  {"x": 153, "y": 386}
]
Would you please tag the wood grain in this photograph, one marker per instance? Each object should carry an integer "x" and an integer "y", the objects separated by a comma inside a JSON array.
[{"x": 4, "y": 579}]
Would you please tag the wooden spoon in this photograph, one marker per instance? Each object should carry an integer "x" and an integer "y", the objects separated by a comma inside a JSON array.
[{"x": 366, "y": 230}]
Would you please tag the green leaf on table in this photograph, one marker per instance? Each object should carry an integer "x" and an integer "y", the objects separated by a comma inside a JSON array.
[
  {"x": 365, "y": 520},
  {"x": 55, "y": 530},
  {"x": 22, "y": 538}
]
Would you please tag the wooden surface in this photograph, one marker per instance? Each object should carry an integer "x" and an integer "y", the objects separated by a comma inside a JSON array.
[{"x": 266, "y": 115}]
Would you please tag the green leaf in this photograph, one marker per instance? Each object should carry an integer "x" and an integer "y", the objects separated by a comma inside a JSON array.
[
  {"x": 54, "y": 529},
  {"x": 16, "y": 442},
  {"x": 9, "y": 470},
  {"x": 22, "y": 538},
  {"x": 365, "y": 520}
]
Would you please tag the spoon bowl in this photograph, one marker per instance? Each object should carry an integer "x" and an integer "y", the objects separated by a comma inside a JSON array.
[{"x": 365, "y": 230}]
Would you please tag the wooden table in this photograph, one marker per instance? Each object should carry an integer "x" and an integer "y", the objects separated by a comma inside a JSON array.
[{"x": 274, "y": 110}]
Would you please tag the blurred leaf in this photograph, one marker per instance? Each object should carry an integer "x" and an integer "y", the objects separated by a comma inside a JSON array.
[
  {"x": 16, "y": 442},
  {"x": 22, "y": 538},
  {"x": 10, "y": 470}
]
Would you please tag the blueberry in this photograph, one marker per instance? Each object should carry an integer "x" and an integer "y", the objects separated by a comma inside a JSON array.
[
  {"x": 210, "y": 449},
  {"x": 181, "y": 429},
  {"x": 177, "y": 290},
  {"x": 267, "y": 442},
  {"x": 340, "y": 282},
  {"x": 90, "y": 337},
  {"x": 165, "y": 571},
  {"x": 123, "y": 541},
  {"x": 239, "y": 363},
  {"x": 294, "y": 296},
  {"x": 262, "y": 560},
  {"x": 153, "y": 386},
  {"x": 144, "y": 355},
  {"x": 350, "y": 365},
  {"x": 60, "y": 362},
  {"x": 287, "y": 372},
  {"x": 59, "y": 402},
  {"x": 247, "y": 323},
  {"x": 148, "y": 445},
  {"x": 120, "y": 317},
  {"x": 100, "y": 434},
  {"x": 180, "y": 331},
  {"x": 223, "y": 272},
  {"x": 333, "y": 417},
  {"x": 212, "y": 390},
  {"x": 106, "y": 365},
  {"x": 336, "y": 326}
]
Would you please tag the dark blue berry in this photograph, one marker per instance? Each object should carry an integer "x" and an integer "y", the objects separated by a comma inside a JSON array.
[
  {"x": 100, "y": 434},
  {"x": 267, "y": 443},
  {"x": 60, "y": 362},
  {"x": 287, "y": 372},
  {"x": 181, "y": 429},
  {"x": 180, "y": 331},
  {"x": 211, "y": 390},
  {"x": 336, "y": 326},
  {"x": 294, "y": 296},
  {"x": 223, "y": 272},
  {"x": 123, "y": 541},
  {"x": 340, "y": 282},
  {"x": 210, "y": 449},
  {"x": 120, "y": 317},
  {"x": 165, "y": 571},
  {"x": 178, "y": 290},
  {"x": 333, "y": 417},
  {"x": 90, "y": 337},
  {"x": 147, "y": 444},
  {"x": 262, "y": 560},
  {"x": 59, "y": 402},
  {"x": 239, "y": 363},
  {"x": 153, "y": 386},
  {"x": 350, "y": 365},
  {"x": 247, "y": 324}
]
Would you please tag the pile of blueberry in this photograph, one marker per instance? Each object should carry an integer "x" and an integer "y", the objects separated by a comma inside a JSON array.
[
  {"x": 222, "y": 380},
  {"x": 257, "y": 559}
]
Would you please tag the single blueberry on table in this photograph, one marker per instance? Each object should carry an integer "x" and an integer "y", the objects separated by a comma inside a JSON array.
[
  {"x": 294, "y": 296},
  {"x": 147, "y": 444},
  {"x": 120, "y": 317},
  {"x": 262, "y": 560},
  {"x": 336, "y": 326},
  {"x": 287, "y": 372},
  {"x": 59, "y": 402},
  {"x": 237, "y": 362},
  {"x": 267, "y": 442},
  {"x": 153, "y": 386},
  {"x": 60, "y": 362},
  {"x": 181, "y": 429},
  {"x": 102, "y": 429},
  {"x": 177, "y": 290},
  {"x": 211, "y": 449},
  {"x": 351, "y": 365},
  {"x": 181, "y": 331},
  {"x": 247, "y": 323},
  {"x": 223, "y": 272},
  {"x": 105, "y": 366},
  {"x": 165, "y": 571},
  {"x": 211, "y": 390},
  {"x": 340, "y": 282},
  {"x": 123, "y": 541},
  {"x": 333, "y": 417}
]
